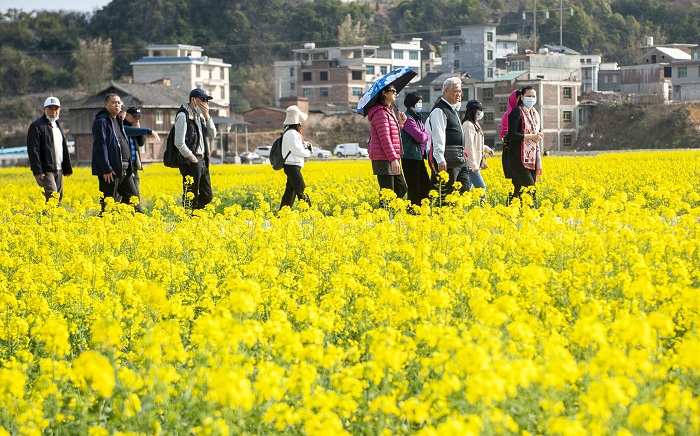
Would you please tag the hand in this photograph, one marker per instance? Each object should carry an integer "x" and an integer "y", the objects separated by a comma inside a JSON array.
[
  {"x": 109, "y": 178},
  {"x": 476, "y": 171},
  {"x": 193, "y": 158},
  {"x": 537, "y": 178},
  {"x": 204, "y": 106},
  {"x": 402, "y": 118},
  {"x": 442, "y": 166},
  {"x": 395, "y": 167},
  {"x": 489, "y": 150},
  {"x": 155, "y": 135},
  {"x": 40, "y": 176}
]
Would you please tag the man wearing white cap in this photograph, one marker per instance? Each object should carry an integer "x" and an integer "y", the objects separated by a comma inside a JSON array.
[{"x": 48, "y": 150}]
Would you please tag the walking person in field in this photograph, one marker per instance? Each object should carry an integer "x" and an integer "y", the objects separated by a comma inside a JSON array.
[
  {"x": 474, "y": 148},
  {"x": 414, "y": 138},
  {"x": 524, "y": 143},
  {"x": 194, "y": 130},
  {"x": 385, "y": 142},
  {"x": 111, "y": 156},
  {"x": 295, "y": 150},
  {"x": 48, "y": 150}
]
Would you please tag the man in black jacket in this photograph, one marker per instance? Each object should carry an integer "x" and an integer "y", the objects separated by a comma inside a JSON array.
[
  {"x": 111, "y": 155},
  {"x": 48, "y": 150}
]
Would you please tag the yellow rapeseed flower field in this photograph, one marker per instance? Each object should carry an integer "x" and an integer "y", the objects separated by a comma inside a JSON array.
[{"x": 579, "y": 317}]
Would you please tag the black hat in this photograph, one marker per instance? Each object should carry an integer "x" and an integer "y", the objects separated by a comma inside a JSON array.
[
  {"x": 134, "y": 112},
  {"x": 200, "y": 93},
  {"x": 476, "y": 104}
]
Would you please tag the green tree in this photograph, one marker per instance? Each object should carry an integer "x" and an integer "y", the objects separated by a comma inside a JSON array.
[
  {"x": 350, "y": 33},
  {"x": 93, "y": 63}
]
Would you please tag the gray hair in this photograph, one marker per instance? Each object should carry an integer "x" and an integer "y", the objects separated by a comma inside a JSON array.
[{"x": 452, "y": 81}]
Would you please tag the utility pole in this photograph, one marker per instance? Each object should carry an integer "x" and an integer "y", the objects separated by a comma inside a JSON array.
[
  {"x": 534, "y": 24},
  {"x": 561, "y": 21}
]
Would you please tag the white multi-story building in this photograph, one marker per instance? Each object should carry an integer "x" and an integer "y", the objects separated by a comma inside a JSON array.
[
  {"x": 185, "y": 67},
  {"x": 475, "y": 51}
]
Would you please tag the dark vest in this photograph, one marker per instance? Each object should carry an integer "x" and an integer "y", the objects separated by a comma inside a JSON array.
[
  {"x": 454, "y": 135},
  {"x": 192, "y": 135}
]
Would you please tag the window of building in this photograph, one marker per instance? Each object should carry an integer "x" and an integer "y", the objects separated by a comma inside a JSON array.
[
  {"x": 323, "y": 92},
  {"x": 489, "y": 55},
  {"x": 427, "y": 68},
  {"x": 566, "y": 140},
  {"x": 586, "y": 73},
  {"x": 581, "y": 116},
  {"x": 306, "y": 76},
  {"x": 455, "y": 47},
  {"x": 197, "y": 71},
  {"x": 308, "y": 92},
  {"x": 489, "y": 73},
  {"x": 291, "y": 72},
  {"x": 456, "y": 63},
  {"x": 502, "y": 107},
  {"x": 567, "y": 92},
  {"x": 682, "y": 72},
  {"x": 398, "y": 54},
  {"x": 382, "y": 70},
  {"x": 488, "y": 117},
  {"x": 356, "y": 92},
  {"x": 698, "y": 71},
  {"x": 159, "y": 117},
  {"x": 489, "y": 36},
  {"x": 567, "y": 117},
  {"x": 323, "y": 75},
  {"x": 223, "y": 93},
  {"x": 413, "y": 55},
  {"x": 488, "y": 93},
  {"x": 357, "y": 75},
  {"x": 211, "y": 74},
  {"x": 614, "y": 79},
  {"x": 443, "y": 49},
  {"x": 292, "y": 86},
  {"x": 370, "y": 70}
]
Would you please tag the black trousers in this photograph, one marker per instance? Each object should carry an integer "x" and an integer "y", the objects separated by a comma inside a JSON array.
[
  {"x": 200, "y": 187},
  {"x": 457, "y": 174},
  {"x": 417, "y": 179},
  {"x": 121, "y": 189},
  {"x": 394, "y": 182},
  {"x": 295, "y": 186}
]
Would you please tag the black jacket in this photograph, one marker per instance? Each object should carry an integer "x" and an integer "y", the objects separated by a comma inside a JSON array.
[
  {"x": 41, "y": 151},
  {"x": 106, "y": 153}
]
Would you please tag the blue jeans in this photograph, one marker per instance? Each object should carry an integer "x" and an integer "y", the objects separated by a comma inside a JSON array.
[{"x": 476, "y": 181}]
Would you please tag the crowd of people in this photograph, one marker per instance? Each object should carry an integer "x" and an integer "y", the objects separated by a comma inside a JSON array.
[
  {"x": 400, "y": 144},
  {"x": 449, "y": 144}
]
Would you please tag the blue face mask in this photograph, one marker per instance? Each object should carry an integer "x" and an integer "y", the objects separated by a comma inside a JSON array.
[
  {"x": 418, "y": 107},
  {"x": 198, "y": 110},
  {"x": 529, "y": 101}
]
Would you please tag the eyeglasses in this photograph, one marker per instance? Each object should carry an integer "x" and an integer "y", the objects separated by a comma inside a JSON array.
[{"x": 393, "y": 90}]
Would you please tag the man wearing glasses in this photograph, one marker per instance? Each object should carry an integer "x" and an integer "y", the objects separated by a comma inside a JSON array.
[
  {"x": 447, "y": 152},
  {"x": 194, "y": 129}
]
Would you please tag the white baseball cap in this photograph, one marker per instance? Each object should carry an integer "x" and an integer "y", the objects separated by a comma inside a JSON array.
[{"x": 52, "y": 101}]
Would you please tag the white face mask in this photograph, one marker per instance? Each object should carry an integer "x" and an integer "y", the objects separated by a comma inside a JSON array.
[
  {"x": 198, "y": 110},
  {"x": 52, "y": 119},
  {"x": 529, "y": 101},
  {"x": 418, "y": 107},
  {"x": 480, "y": 116},
  {"x": 457, "y": 106}
]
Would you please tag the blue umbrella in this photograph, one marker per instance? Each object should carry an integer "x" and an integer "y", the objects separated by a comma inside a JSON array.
[{"x": 399, "y": 78}]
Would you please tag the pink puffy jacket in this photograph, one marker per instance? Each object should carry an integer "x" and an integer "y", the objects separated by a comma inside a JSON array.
[{"x": 384, "y": 137}]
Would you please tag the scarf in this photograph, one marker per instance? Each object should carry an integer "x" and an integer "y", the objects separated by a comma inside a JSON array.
[{"x": 530, "y": 150}]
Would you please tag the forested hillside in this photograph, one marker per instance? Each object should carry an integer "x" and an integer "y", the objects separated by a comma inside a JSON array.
[{"x": 42, "y": 50}]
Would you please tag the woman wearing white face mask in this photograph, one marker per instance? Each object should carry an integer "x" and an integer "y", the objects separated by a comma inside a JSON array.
[
  {"x": 474, "y": 147},
  {"x": 414, "y": 138},
  {"x": 525, "y": 142}
]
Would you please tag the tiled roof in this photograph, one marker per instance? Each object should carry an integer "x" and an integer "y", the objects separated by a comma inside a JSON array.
[
  {"x": 510, "y": 75},
  {"x": 141, "y": 95}
]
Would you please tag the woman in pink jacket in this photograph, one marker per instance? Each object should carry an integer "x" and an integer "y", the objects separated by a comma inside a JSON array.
[{"x": 385, "y": 142}]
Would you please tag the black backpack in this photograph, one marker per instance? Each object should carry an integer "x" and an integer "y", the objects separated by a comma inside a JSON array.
[
  {"x": 171, "y": 157},
  {"x": 276, "y": 159}
]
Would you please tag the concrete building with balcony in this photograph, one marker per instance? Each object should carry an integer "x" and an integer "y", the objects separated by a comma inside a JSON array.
[
  {"x": 186, "y": 67},
  {"x": 334, "y": 78},
  {"x": 609, "y": 77}
]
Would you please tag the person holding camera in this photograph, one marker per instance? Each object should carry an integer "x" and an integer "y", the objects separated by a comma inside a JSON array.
[{"x": 294, "y": 150}]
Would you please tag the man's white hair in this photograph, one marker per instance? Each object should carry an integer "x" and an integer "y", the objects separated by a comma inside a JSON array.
[{"x": 452, "y": 81}]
